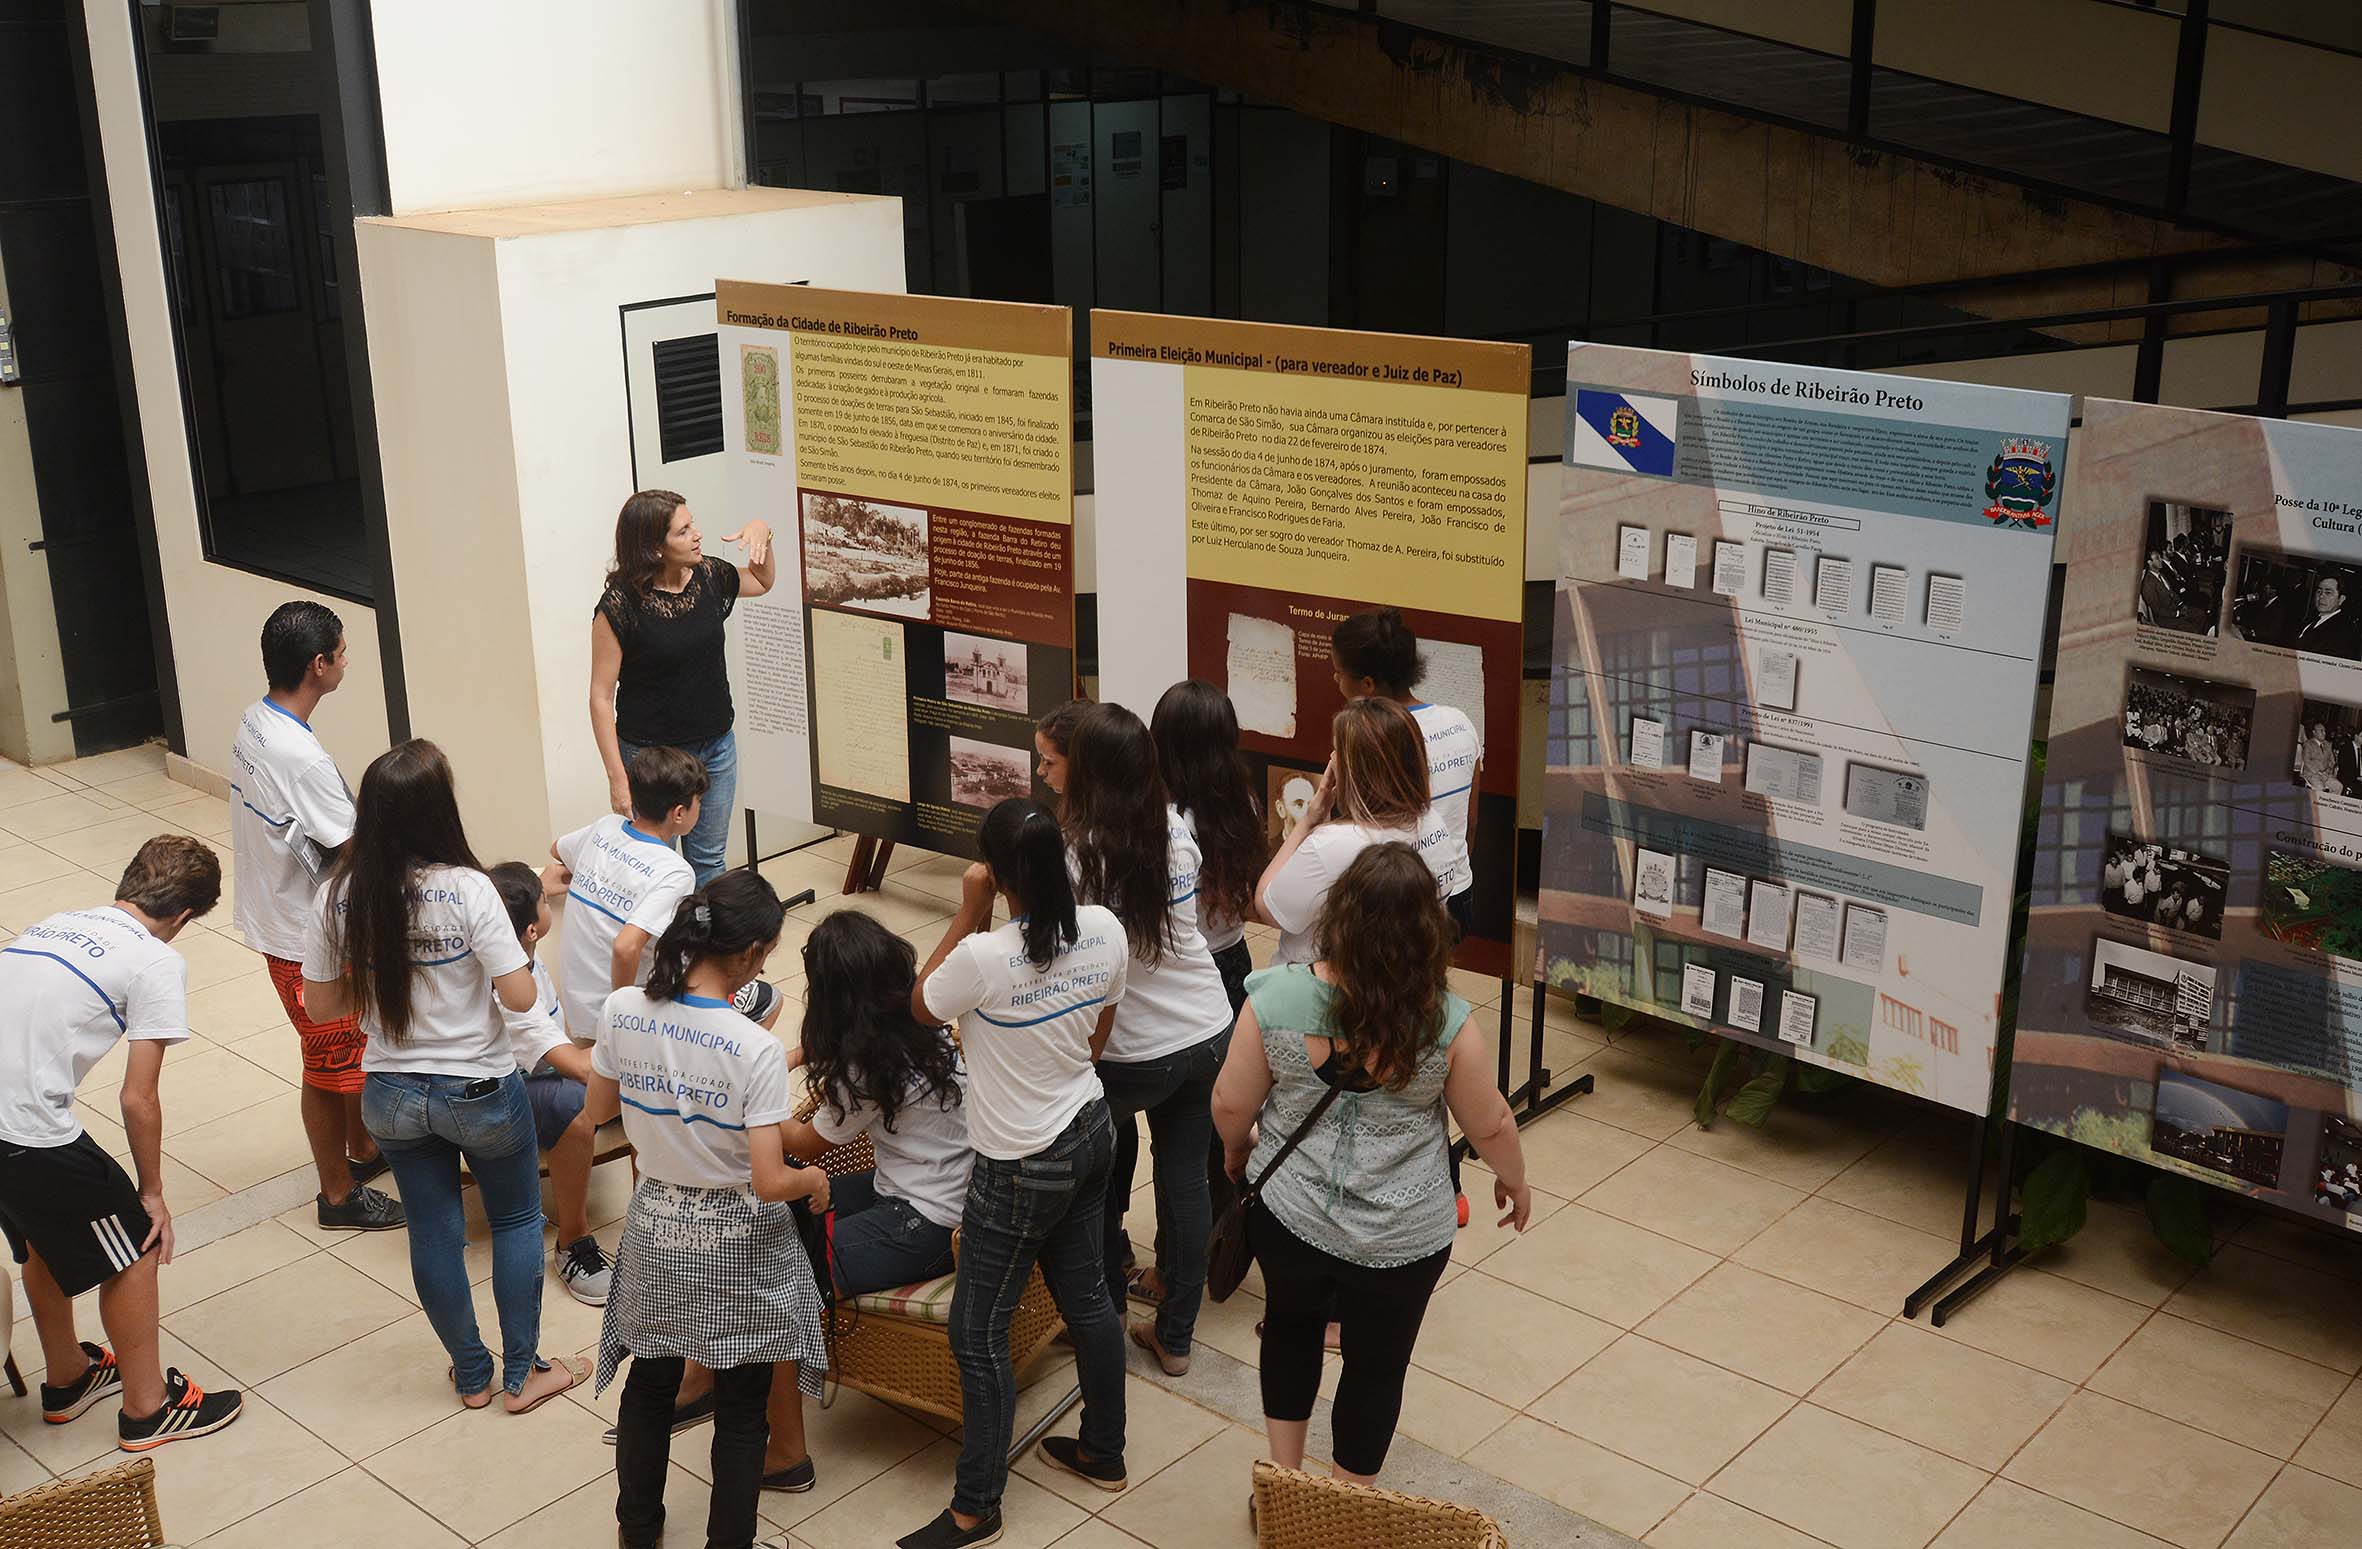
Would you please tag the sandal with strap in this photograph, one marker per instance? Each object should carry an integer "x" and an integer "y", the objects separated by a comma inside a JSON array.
[
  {"x": 526, "y": 1400},
  {"x": 466, "y": 1400}
]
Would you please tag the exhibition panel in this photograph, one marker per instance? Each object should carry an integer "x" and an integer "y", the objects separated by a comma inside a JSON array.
[
  {"x": 914, "y": 456},
  {"x": 1799, "y": 616},
  {"x": 2193, "y": 981},
  {"x": 1258, "y": 484}
]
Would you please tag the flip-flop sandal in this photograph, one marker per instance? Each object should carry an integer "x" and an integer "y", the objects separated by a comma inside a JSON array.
[
  {"x": 576, "y": 1372},
  {"x": 467, "y": 1400}
]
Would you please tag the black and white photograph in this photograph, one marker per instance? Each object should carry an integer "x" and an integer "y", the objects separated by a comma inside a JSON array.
[
  {"x": 2148, "y": 997},
  {"x": 2158, "y": 884},
  {"x": 2220, "y": 1128},
  {"x": 978, "y": 670},
  {"x": 2328, "y": 757},
  {"x": 2184, "y": 563},
  {"x": 2337, "y": 1172},
  {"x": 860, "y": 554},
  {"x": 2206, "y": 723},
  {"x": 2297, "y": 602},
  {"x": 985, "y": 773}
]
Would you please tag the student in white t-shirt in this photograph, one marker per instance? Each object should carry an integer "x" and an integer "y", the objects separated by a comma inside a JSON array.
[
  {"x": 710, "y": 1268},
  {"x": 1035, "y": 1000},
  {"x": 74, "y": 984},
  {"x": 1374, "y": 654},
  {"x": 1132, "y": 853},
  {"x": 412, "y": 937},
  {"x": 878, "y": 1071},
  {"x": 622, "y": 880},
  {"x": 289, "y": 814}
]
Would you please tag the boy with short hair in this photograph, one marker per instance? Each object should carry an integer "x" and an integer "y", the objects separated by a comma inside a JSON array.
[
  {"x": 556, "y": 1071},
  {"x": 74, "y": 983},
  {"x": 290, "y": 812}
]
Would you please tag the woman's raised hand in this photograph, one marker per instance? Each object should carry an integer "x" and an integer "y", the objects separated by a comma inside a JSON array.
[{"x": 756, "y": 535}]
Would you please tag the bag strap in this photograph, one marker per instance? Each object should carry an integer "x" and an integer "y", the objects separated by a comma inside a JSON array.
[{"x": 1255, "y": 1189}]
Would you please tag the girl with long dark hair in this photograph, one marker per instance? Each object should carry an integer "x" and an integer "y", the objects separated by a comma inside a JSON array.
[
  {"x": 1133, "y": 854},
  {"x": 710, "y": 1268},
  {"x": 413, "y": 938},
  {"x": 1196, "y": 732},
  {"x": 657, "y": 673},
  {"x": 881, "y": 1072},
  {"x": 1357, "y": 1223},
  {"x": 1035, "y": 1000},
  {"x": 1375, "y": 655}
]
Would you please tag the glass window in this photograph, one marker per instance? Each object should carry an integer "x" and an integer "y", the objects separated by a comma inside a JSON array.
[{"x": 253, "y": 247}]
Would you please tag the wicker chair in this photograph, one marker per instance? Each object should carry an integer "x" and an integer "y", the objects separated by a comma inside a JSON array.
[
  {"x": 113, "y": 1509},
  {"x": 1308, "y": 1511}
]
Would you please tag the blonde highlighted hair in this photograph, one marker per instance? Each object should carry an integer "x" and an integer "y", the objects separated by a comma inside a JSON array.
[{"x": 1381, "y": 764}]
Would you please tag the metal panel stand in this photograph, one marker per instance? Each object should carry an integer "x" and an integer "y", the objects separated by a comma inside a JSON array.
[
  {"x": 1996, "y": 1248},
  {"x": 756, "y": 857}
]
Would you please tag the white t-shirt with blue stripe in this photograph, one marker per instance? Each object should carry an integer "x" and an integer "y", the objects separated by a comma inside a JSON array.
[
  {"x": 621, "y": 877},
  {"x": 460, "y": 941},
  {"x": 1179, "y": 1003},
  {"x": 73, "y": 984},
  {"x": 694, "y": 1076},
  {"x": 288, "y": 806},
  {"x": 1025, "y": 1031},
  {"x": 1453, "y": 757}
]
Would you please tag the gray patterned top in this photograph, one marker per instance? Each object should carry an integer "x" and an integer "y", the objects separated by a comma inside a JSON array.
[{"x": 1371, "y": 1184}]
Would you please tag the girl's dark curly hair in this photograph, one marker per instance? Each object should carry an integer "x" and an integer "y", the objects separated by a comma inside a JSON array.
[
  {"x": 1388, "y": 942},
  {"x": 861, "y": 1045}
]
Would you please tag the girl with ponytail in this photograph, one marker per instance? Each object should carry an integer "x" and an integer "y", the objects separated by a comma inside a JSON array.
[
  {"x": 710, "y": 1268},
  {"x": 1035, "y": 999}
]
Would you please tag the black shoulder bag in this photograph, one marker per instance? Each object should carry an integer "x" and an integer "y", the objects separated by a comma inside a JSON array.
[{"x": 1227, "y": 1251}]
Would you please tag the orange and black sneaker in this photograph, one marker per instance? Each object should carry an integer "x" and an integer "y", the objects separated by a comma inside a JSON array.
[
  {"x": 188, "y": 1411},
  {"x": 102, "y": 1377}
]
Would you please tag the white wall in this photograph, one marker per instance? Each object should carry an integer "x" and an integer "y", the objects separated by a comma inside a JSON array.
[
  {"x": 215, "y": 613},
  {"x": 503, "y": 101}
]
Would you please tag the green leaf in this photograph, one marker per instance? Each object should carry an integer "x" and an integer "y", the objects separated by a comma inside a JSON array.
[
  {"x": 1614, "y": 1015},
  {"x": 1718, "y": 1079},
  {"x": 1816, "y": 1079},
  {"x": 2051, "y": 1206},
  {"x": 2177, "y": 1209},
  {"x": 1754, "y": 1102}
]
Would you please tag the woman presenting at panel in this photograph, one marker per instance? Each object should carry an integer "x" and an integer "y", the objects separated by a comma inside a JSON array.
[{"x": 657, "y": 673}]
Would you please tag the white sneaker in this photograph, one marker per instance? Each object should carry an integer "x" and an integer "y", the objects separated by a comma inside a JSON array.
[{"x": 588, "y": 1272}]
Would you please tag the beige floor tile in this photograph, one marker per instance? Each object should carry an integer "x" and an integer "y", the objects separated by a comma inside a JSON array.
[
  {"x": 1563, "y": 1052},
  {"x": 1847, "y": 1253},
  {"x": 586, "y": 1516},
  {"x": 1659, "y": 1406},
  {"x": 1096, "y": 1534},
  {"x": 280, "y": 1320},
  {"x": 200, "y": 1087},
  {"x": 1230, "y": 1327},
  {"x": 1894, "y": 1494},
  {"x": 18, "y": 1471},
  {"x": 1648, "y": 1097},
  {"x": 19, "y": 785},
  {"x": 1934, "y": 1391},
  {"x": 149, "y": 788},
  {"x": 1506, "y": 1343},
  {"x": 1800, "y": 1149},
  {"x": 1710, "y": 1522},
  {"x": 2273, "y": 1302},
  {"x": 906, "y": 1496},
  {"x": 54, "y": 817},
  {"x": 1600, "y": 1265},
  {"x": 2143, "y": 1470},
  {"x": 201, "y": 815},
  {"x": 1914, "y": 1179},
  {"x": 2335, "y": 1447},
  {"x": 275, "y": 1049},
  {"x": 2052, "y": 1325},
  {"x": 401, "y": 1368},
  {"x": 854, "y": 1440},
  {"x": 1581, "y": 1476},
  {"x": 224, "y": 1263},
  {"x": 244, "y": 1148},
  {"x": 1566, "y": 1153},
  {"x": 1484, "y": 1235},
  {"x": 1443, "y": 1415},
  {"x": 477, "y": 1471},
  {"x": 385, "y": 1256},
  {"x": 23, "y": 863},
  {"x": 2010, "y": 1516},
  {"x": 1730, "y": 1317},
  {"x": 203, "y": 1486},
  {"x": 2217, "y": 1382},
  {"x": 216, "y": 959},
  {"x": 2301, "y": 1510},
  {"x": 1159, "y": 1428},
  {"x": 2118, "y": 1252},
  {"x": 101, "y": 769},
  {"x": 1693, "y": 1199},
  {"x": 107, "y": 847},
  {"x": 2316, "y": 1245},
  {"x": 1199, "y": 1502},
  {"x": 237, "y": 1008},
  {"x": 894, "y": 906},
  {"x": 351, "y": 1510},
  {"x": 75, "y": 889}
]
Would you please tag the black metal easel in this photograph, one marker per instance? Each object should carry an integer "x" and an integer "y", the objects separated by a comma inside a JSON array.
[
  {"x": 1997, "y": 1247},
  {"x": 756, "y": 857}
]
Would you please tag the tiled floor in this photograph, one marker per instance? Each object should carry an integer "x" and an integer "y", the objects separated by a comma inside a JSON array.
[{"x": 1695, "y": 1343}]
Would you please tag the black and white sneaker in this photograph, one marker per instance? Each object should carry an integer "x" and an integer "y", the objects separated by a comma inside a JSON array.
[
  {"x": 755, "y": 1000},
  {"x": 1066, "y": 1452},
  {"x": 945, "y": 1533},
  {"x": 188, "y": 1411},
  {"x": 695, "y": 1412},
  {"x": 795, "y": 1479},
  {"x": 58, "y": 1405},
  {"x": 588, "y": 1272},
  {"x": 363, "y": 1210}
]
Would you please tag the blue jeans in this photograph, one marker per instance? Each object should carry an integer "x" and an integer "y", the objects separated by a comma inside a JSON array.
[
  {"x": 707, "y": 846},
  {"x": 880, "y": 1242},
  {"x": 1046, "y": 1206},
  {"x": 1176, "y": 1091},
  {"x": 424, "y": 1126}
]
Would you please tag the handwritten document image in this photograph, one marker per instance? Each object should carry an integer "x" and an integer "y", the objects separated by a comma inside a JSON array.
[
  {"x": 1262, "y": 669},
  {"x": 861, "y": 704}
]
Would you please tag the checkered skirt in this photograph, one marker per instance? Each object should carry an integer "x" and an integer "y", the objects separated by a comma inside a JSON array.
[{"x": 716, "y": 1276}]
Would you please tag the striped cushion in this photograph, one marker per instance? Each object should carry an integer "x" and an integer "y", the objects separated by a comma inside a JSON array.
[{"x": 929, "y": 1301}]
